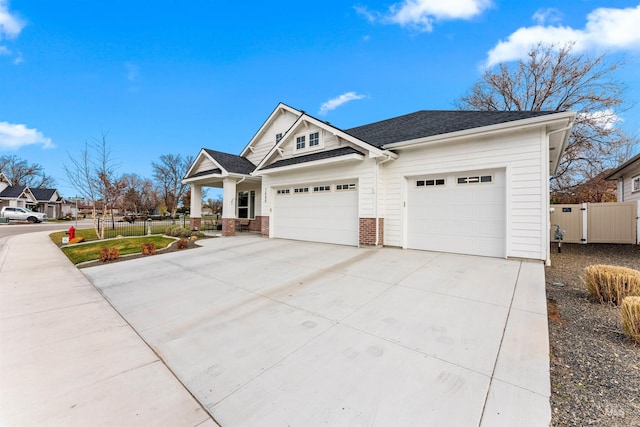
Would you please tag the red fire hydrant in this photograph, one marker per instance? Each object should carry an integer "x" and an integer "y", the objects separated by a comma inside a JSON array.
[{"x": 72, "y": 233}]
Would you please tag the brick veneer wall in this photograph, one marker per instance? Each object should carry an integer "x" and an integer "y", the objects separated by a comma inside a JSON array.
[
  {"x": 228, "y": 226},
  {"x": 367, "y": 229},
  {"x": 195, "y": 223},
  {"x": 264, "y": 225},
  {"x": 255, "y": 224}
]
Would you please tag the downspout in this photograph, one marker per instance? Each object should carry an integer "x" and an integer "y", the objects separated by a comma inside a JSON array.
[{"x": 377, "y": 197}]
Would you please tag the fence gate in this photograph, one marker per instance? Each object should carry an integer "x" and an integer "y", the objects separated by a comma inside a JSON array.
[
  {"x": 569, "y": 217},
  {"x": 598, "y": 222}
]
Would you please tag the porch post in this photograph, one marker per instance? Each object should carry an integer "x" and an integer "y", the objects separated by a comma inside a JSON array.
[
  {"x": 195, "y": 211},
  {"x": 229, "y": 207}
]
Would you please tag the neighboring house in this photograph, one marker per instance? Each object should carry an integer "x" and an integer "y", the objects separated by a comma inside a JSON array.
[
  {"x": 466, "y": 182},
  {"x": 46, "y": 200},
  {"x": 627, "y": 178}
]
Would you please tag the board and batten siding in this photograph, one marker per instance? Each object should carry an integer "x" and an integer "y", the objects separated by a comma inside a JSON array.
[
  {"x": 359, "y": 171},
  {"x": 267, "y": 139},
  {"x": 523, "y": 156},
  {"x": 328, "y": 142}
]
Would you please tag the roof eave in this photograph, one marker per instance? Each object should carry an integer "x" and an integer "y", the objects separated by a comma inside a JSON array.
[
  {"x": 322, "y": 162},
  {"x": 619, "y": 172}
]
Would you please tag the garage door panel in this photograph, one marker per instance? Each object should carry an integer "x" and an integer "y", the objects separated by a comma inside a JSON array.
[
  {"x": 328, "y": 217},
  {"x": 466, "y": 218}
]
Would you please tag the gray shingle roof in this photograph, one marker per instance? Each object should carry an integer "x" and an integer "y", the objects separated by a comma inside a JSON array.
[
  {"x": 43, "y": 194},
  {"x": 321, "y": 155},
  {"x": 429, "y": 123},
  {"x": 207, "y": 172},
  {"x": 231, "y": 162},
  {"x": 12, "y": 192}
]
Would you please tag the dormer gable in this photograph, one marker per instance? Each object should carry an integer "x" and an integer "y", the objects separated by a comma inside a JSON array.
[
  {"x": 269, "y": 134},
  {"x": 310, "y": 138}
]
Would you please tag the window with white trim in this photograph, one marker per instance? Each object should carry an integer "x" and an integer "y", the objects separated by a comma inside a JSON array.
[
  {"x": 321, "y": 188},
  {"x": 309, "y": 141},
  {"x": 314, "y": 139},
  {"x": 635, "y": 184},
  {"x": 301, "y": 190},
  {"x": 345, "y": 187},
  {"x": 478, "y": 179},
  {"x": 283, "y": 191},
  {"x": 246, "y": 204}
]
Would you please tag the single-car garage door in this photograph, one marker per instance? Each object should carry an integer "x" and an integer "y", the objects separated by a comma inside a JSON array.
[
  {"x": 325, "y": 212},
  {"x": 458, "y": 212}
]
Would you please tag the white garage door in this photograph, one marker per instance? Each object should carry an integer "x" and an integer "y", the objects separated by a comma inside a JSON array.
[
  {"x": 325, "y": 212},
  {"x": 458, "y": 212}
]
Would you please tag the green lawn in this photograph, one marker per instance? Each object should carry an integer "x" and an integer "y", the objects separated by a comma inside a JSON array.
[{"x": 91, "y": 251}]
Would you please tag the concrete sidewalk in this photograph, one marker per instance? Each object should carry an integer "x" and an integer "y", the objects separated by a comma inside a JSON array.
[{"x": 68, "y": 358}]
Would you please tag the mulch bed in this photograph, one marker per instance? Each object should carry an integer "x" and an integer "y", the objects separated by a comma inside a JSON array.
[
  {"x": 169, "y": 249},
  {"x": 595, "y": 369}
]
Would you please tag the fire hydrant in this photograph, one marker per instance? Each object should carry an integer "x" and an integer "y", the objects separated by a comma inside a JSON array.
[{"x": 72, "y": 233}]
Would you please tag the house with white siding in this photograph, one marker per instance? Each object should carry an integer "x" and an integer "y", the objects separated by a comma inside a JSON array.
[
  {"x": 468, "y": 182},
  {"x": 627, "y": 177}
]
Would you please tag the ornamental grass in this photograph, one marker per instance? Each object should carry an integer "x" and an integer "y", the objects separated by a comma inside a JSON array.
[
  {"x": 630, "y": 317},
  {"x": 610, "y": 283}
]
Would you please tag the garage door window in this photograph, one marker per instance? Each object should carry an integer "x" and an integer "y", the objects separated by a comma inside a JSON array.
[
  {"x": 283, "y": 191},
  {"x": 429, "y": 182},
  {"x": 246, "y": 203},
  {"x": 345, "y": 187},
  {"x": 321, "y": 188},
  {"x": 301, "y": 190},
  {"x": 479, "y": 179}
]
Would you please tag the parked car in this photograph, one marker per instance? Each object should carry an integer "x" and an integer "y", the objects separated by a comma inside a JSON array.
[{"x": 22, "y": 214}]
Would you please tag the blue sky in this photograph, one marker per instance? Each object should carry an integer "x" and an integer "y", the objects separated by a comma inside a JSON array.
[{"x": 166, "y": 76}]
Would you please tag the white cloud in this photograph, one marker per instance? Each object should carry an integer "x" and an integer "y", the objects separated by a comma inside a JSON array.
[
  {"x": 606, "y": 28},
  {"x": 15, "y": 136},
  {"x": 10, "y": 25},
  {"x": 549, "y": 14},
  {"x": 421, "y": 14},
  {"x": 336, "y": 102},
  {"x": 605, "y": 119}
]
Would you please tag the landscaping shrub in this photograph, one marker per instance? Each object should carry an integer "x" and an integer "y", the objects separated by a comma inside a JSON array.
[
  {"x": 177, "y": 231},
  {"x": 182, "y": 243},
  {"x": 109, "y": 254},
  {"x": 630, "y": 317},
  {"x": 609, "y": 283},
  {"x": 149, "y": 249}
]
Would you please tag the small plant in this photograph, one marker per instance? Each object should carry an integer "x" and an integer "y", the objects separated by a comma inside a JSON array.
[
  {"x": 182, "y": 243},
  {"x": 109, "y": 254},
  {"x": 149, "y": 249},
  {"x": 609, "y": 283},
  {"x": 630, "y": 317}
]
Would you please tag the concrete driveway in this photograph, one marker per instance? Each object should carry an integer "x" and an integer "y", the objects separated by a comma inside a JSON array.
[{"x": 277, "y": 332}]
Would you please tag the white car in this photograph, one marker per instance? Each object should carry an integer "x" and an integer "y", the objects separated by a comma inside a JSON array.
[{"x": 22, "y": 214}]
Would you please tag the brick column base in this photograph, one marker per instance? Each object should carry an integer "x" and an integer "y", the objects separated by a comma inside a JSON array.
[
  {"x": 195, "y": 223},
  {"x": 228, "y": 226},
  {"x": 264, "y": 225},
  {"x": 367, "y": 229}
]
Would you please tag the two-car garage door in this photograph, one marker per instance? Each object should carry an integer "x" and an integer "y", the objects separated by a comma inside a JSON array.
[
  {"x": 461, "y": 212},
  {"x": 322, "y": 212}
]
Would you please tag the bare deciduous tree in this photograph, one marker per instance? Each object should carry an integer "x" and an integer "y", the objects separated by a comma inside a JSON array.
[
  {"x": 168, "y": 173},
  {"x": 19, "y": 172},
  {"x": 93, "y": 174},
  {"x": 139, "y": 195},
  {"x": 554, "y": 78}
]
